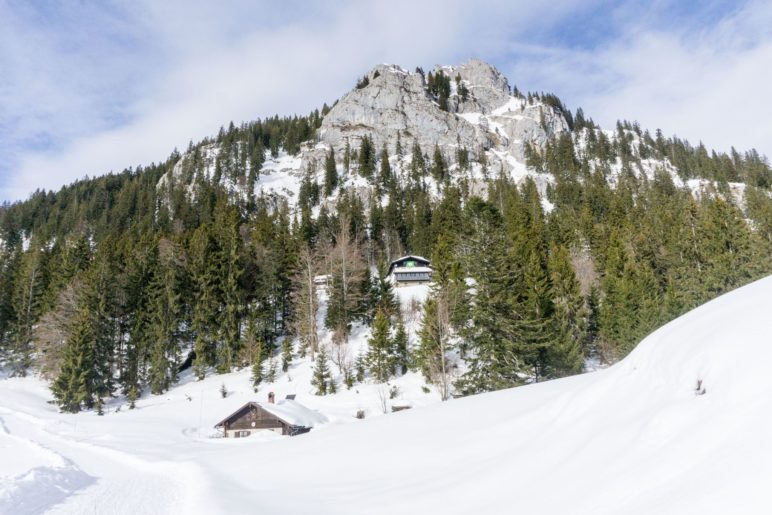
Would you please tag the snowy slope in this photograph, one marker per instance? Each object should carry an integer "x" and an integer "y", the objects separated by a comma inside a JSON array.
[{"x": 635, "y": 438}]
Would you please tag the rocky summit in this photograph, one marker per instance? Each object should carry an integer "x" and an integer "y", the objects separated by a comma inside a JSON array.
[{"x": 395, "y": 103}]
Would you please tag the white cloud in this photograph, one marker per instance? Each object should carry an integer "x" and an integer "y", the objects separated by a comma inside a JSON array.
[
  {"x": 709, "y": 84},
  {"x": 214, "y": 63},
  {"x": 177, "y": 71}
]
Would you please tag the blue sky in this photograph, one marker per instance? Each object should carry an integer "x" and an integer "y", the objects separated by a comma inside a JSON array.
[{"x": 90, "y": 87}]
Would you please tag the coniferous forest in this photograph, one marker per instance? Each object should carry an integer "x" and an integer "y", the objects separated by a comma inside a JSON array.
[{"x": 114, "y": 285}]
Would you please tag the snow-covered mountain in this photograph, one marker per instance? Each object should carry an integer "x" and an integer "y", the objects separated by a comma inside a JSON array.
[
  {"x": 680, "y": 426},
  {"x": 484, "y": 116},
  {"x": 489, "y": 121}
]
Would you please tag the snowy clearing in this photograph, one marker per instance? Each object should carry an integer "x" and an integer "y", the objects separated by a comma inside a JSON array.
[{"x": 680, "y": 426}]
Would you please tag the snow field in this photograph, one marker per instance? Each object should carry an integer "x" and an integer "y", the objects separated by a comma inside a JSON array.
[{"x": 680, "y": 426}]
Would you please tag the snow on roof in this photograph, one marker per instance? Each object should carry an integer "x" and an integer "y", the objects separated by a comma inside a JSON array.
[
  {"x": 294, "y": 413},
  {"x": 288, "y": 410},
  {"x": 410, "y": 256}
]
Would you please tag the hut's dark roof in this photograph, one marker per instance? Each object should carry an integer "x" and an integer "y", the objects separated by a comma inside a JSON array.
[{"x": 419, "y": 259}]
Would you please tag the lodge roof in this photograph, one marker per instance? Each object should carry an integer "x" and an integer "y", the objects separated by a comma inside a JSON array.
[
  {"x": 288, "y": 411},
  {"x": 420, "y": 259}
]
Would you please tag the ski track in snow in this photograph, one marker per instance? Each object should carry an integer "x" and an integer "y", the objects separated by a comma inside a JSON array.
[{"x": 90, "y": 478}]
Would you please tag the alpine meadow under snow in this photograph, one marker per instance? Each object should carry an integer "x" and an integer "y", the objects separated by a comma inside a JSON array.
[{"x": 679, "y": 426}]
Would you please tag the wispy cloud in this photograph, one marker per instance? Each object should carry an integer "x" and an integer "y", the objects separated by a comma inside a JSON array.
[
  {"x": 705, "y": 79},
  {"x": 86, "y": 89}
]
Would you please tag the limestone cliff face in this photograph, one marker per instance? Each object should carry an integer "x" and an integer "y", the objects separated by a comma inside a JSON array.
[
  {"x": 397, "y": 102},
  {"x": 488, "y": 121},
  {"x": 488, "y": 88}
]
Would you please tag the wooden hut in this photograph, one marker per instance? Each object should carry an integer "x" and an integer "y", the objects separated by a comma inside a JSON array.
[{"x": 287, "y": 417}]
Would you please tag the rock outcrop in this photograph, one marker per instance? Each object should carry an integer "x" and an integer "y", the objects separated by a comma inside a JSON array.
[
  {"x": 481, "y": 115},
  {"x": 488, "y": 88},
  {"x": 398, "y": 102}
]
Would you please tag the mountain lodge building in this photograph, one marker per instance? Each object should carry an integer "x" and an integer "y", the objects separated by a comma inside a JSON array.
[{"x": 410, "y": 269}]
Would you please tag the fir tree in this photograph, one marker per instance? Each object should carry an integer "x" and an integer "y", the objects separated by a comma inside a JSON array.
[
  {"x": 417, "y": 164},
  {"x": 132, "y": 396},
  {"x": 379, "y": 355},
  {"x": 257, "y": 354},
  {"x": 570, "y": 317},
  {"x": 386, "y": 178},
  {"x": 322, "y": 377},
  {"x": 230, "y": 273},
  {"x": 271, "y": 375},
  {"x": 74, "y": 386},
  {"x": 366, "y": 157},
  {"x": 165, "y": 318},
  {"x": 204, "y": 274},
  {"x": 286, "y": 354},
  {"x": 360, "y": 365},
  {"x": 399, "y": 345},
  {"x": 492, "y": 335},
  {"x": 330, "y": 173},
  {"x": 439, "y": 168},
  {"x": 27, "y": 296}
]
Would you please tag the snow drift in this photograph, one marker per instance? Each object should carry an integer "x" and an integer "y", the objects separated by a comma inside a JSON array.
[{"x": 680, "y": 426}]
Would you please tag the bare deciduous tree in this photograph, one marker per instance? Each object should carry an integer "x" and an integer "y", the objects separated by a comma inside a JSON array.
[
  {"x": 435, "y": 336},
  {"x": 306, "y": 301},
  {"x": 347, "y": 271},
  {"x": 52, "y": 330}
]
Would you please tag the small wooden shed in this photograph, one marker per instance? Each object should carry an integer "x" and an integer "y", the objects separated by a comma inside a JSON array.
[{"x": 287, "y": 417}]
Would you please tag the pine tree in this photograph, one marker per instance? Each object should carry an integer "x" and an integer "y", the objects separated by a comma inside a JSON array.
[
  {"x": 132, "y": 396},
  {"x": 322, "y": 377},
  {"x": 386, "y": 178},
  {"x": 271, "y": 375},
  {"x": 330, "y": 173},
  {"x": 379, "y": 355},
  {"x": 494, "y": 330},
  {"x": 165, "y": 318},
  {"x": 463, "y": 91},
  {"x": 385, "y": 299},
  {"x": 74, "y": 386},
  {"x": 230, "y": 274},
  {"x": 360, "y": 366},
  {"x": 399, "y": 345},
  {"x": 98, "y": 298},
  {"x": 439, "y": 168},
  {"x": 256, "y": 346},
  {"x": 417, "y": 164},
  {"x": 570, "y": 317},
  {"x": 204, "y": 275},
  {"x": 29, "y": 287},
  {"x": 366, "y": 157},
  {"x": 536, "y": 311},
  {"x": 286, "y": 354}
]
